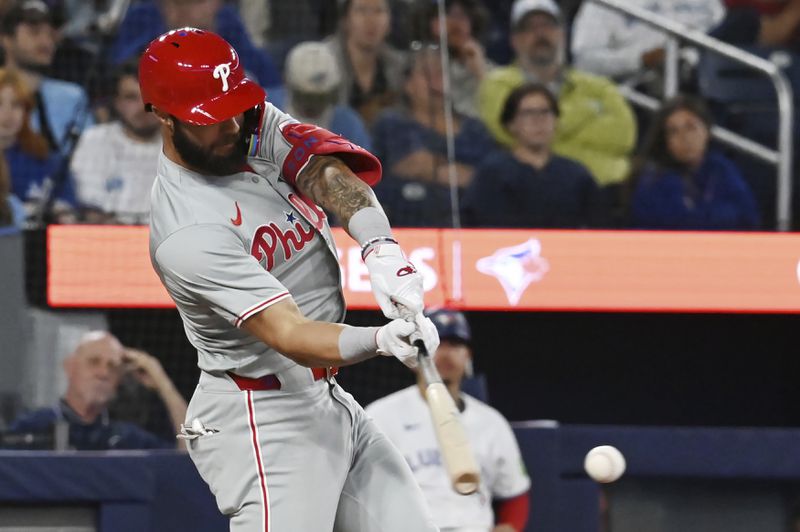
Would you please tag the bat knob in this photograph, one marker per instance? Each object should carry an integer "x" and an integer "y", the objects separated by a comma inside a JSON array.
[{"x": 467, "y": 483}]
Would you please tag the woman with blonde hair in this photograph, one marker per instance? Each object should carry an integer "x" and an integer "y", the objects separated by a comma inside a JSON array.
[{"x": 38, "y": 177}]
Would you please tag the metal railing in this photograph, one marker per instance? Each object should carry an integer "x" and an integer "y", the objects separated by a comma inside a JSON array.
[{"x": 780, "y": 158}]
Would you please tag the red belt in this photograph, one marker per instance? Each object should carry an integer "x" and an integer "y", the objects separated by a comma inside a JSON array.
[{"x": 271, "y": 382}]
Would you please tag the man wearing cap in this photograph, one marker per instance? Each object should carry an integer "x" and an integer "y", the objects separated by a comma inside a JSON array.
[
  {"x": 405, "y": 418},
  {"x": 240, "y": 240},
  {"x": 29, "y": 42},
  {"x": 313, "y": 81},
  {"x": 596, "y": 127}
]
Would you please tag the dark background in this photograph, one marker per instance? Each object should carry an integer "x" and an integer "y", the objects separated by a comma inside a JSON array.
[{"x": 641, "y": 369}]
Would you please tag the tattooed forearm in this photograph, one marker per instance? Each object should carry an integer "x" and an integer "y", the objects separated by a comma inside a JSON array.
[{"x": 334, "y": 187}]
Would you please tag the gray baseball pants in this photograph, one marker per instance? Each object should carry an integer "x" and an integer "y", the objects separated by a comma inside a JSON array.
[{"x": 304, "y": 458}]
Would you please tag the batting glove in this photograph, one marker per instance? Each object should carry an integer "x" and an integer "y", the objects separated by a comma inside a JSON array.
[
  {"x": 394, "y": 339},
  {"x": 397, "y": 285},
  {"x": 426, "y": 331}
]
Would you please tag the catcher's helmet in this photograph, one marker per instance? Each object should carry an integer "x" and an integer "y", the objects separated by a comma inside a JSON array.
[{"x": 196, "y": 76}]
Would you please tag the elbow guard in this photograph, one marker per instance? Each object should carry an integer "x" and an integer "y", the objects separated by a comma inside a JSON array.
[{"x": 307, "y": 140}]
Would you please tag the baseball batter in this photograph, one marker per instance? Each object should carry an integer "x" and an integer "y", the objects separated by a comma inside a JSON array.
[
  {"x": 405, "y": 418},
  {"x": 239, "y": 240}
]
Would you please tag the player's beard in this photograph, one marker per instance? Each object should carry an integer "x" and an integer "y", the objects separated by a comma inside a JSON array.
[{"x": 204, "y": 160}]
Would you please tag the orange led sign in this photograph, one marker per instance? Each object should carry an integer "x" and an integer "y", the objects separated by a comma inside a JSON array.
[{"x": 109, "y": 266}]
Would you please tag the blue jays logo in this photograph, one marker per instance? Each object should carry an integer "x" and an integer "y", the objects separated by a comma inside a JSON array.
[{"x": 516, "y": 267}]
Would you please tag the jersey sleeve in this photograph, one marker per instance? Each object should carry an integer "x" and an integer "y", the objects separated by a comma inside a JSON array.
[
  {"x": 510, "y": 478},
  {"x": 272, "y": 145},
  {"x": 208, "y": 265}
]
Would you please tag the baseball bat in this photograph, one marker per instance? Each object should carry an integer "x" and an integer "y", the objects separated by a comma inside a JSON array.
[{"x": 453, "y": 444}]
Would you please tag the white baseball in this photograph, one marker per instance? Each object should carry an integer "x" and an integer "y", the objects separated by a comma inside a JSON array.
[{"x": 604, "y": 464}]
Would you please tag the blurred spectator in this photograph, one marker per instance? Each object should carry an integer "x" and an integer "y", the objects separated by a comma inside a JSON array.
[
  {"x": 81, "y": 16},
  {"x": 772, "y": 23},
  {"x": 684, "y": 184},
  {"x": 148, "y": 19},
  {"x": 12, "y": 211},
  {"x": 405, "y": 419},
  {"x": 313, "y": 81},
  {"x": 466, "y": 21},
  {"x": 38, "y": 176},
  {"x": 609, "y": 43},
  {"x": 372, "y": 70},
  {"x": 530, "y": 186},
  {"x": 115, "y": 163},
  {"x": 498, "y": 45},
  {"x": 94, "y": 371},
  {"x": 77, "y": 42},
  {"x": 411, "y": 143},
  {"x": 272, "y": 22},
  {"x": 596, "y": 125},
  {"x": 61, "y": 108}
]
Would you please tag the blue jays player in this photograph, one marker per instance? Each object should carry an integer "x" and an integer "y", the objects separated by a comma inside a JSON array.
[
  {"x": 405, "y": 418},
  {"x": 241, "y": 243}
]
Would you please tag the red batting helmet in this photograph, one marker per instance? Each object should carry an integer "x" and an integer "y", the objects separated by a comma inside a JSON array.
[{"x": 196, "y": 76}]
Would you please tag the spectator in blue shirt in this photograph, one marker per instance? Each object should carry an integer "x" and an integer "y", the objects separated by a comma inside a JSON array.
[
  {"x": 530, "y": 186},
  {"x": 412, "y": 144},
  {"x": 61, "y": 109},
  {"x": 683, "y": 183},
  {"x": 38, "y": 177},
  {"x": 313, "y": 81},
  {"x": 147, "y": 20},
  {"x": 94, "y": 371}
]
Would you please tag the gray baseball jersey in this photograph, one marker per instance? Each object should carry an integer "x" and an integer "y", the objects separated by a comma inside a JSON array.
[
  {"x": 228, "y": 247},
  {"x": 303, "y": 457}
]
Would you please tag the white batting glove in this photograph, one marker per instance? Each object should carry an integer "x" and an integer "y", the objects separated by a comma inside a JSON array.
[
  {"x": 426, "y": 331},
  {"x": 394, "y": 340},
  {"x": 396, "y": 283}
]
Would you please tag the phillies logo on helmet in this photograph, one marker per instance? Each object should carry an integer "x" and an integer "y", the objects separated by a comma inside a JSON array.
[{"x": 222, "y": 71}]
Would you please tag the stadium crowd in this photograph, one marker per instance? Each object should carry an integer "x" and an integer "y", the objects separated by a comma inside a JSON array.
[
  {"x": 533, "y": 92},
  {"x": 543, "y": 135}
]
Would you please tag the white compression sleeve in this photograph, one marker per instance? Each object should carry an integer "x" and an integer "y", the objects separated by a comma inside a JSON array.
[
  {"x": 358, "y": 343},
  {"x": 367, "y": 224}
]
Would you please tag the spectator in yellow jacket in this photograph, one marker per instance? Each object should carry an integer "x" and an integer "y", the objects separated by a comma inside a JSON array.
[{"x": 597, "y": 126}]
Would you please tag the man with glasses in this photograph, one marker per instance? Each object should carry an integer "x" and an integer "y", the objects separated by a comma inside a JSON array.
[
  {"x": 596, "y": 126},
  {"x": 530, "y": 186}
]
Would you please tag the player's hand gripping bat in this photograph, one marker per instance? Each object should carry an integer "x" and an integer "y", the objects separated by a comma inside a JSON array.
[{"x": 453, "y": 444}]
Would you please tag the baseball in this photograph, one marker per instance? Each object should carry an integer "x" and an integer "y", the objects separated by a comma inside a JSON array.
[{"x": 604, "y": 464}]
